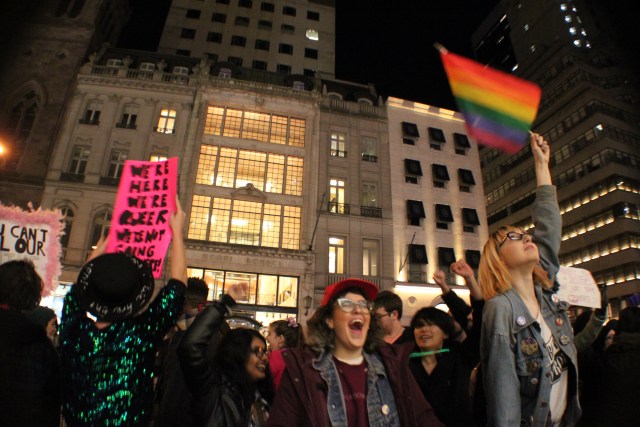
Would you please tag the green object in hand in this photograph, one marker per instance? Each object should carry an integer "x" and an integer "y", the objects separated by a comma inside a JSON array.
[{"x": 427, "y": 353}]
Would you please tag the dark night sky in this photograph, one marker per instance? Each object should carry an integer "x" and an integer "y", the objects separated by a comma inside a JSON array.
[{"x": 388, "y": 44}]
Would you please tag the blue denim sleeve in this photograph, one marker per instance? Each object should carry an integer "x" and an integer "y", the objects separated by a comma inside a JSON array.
[
  {"x": 501, "y": 383},
  {"x": 548, "y": 232}
]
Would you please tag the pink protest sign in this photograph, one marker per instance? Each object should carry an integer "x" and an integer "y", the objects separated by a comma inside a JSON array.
[{"x": 146, "y": 199}]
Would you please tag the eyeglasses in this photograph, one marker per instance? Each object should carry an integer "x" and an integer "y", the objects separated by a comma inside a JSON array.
[
  {"x": 348, "y": 305},
  {"x": 259, "y": 352},
  {"x": 380, "y": 316},
  {"x": 514, "y": 235}
]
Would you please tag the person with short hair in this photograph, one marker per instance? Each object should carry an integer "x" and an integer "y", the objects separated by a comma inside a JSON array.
[
  {"x": 348, "y": 376},
  {"x": 110, "y": 331},
  {"x": 29, "y": 367},
  {"x": 387, "y": 311}
]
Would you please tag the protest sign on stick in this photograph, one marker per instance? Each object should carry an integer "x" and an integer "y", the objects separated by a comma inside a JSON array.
[
  {"x": 577, "y": 287},
  {"x": 32, "y": 235},
  {"x": 144, "y": 204}
]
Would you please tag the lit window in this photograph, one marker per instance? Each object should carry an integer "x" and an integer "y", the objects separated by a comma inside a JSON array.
[
  {"x": 337, "y": 196},
  {"x": 336, "y": 255},
  {"x": 338, "y": 144},
  {"x": 157, "y": 158},
  {"x": 166, "y": 122},
  {"x": 312, "y": 35},
  {"x": 207, "y": 165}
]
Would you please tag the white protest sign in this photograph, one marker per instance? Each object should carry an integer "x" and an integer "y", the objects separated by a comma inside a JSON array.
[
  {"x": 32, "y": 235},
  {"x": 577, "y": 287}
]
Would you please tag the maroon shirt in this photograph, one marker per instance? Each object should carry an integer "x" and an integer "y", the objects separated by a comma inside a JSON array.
[{"x": 353, "y": 379}]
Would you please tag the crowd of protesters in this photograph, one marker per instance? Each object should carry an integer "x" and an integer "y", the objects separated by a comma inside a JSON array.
[{"x": 511, "y": 357}]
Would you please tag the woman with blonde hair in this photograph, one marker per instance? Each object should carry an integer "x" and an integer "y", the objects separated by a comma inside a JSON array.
[{"x": 529, "y": 360}]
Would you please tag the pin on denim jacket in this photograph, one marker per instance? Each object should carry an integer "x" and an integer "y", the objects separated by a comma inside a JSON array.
[{"x": 516, "y": 370}]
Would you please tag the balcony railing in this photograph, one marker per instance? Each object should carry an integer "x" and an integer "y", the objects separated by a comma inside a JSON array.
[
  {"x": 126, "y": 125},
  {"x": 333, "y": 278},
  {"x": 417, "y": 277},
  {"x": 109, "y": 180},
  {"x": 370, "y": 212},
  {"x": 369, "y": 158},
  {"x": 338, "y": 153},
  {"x": 168, "y": 131},
  {"x": 71, "y": 177},
  {"x": 338, "y": 208},
  {"x": 92, "y": 122}
]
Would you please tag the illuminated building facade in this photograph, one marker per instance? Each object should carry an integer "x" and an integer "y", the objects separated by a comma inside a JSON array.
[{"x": 589, "y": 115}]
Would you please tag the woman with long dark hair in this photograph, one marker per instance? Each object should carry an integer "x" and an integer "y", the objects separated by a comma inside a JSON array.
[
  {"x": 529, "y": 360},
  {"x": 282, "y": 334},
  {"x": 236, "y": 389}
]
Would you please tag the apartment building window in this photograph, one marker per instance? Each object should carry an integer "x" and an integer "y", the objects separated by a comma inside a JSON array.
[
  {"x": 214, "y": 37},
  {"x": 443, "y": 216},
  {"x": 410, "y": 130},
  {"x": 259, "y": 65},
  {"x": 193, "y": 14},
  {"x": 79, "y": 159},
  {"x": 157, "y": 157},
  {"x": 287, "y": 29},
  {"x": 369, "y": 149},
  {"x": 218, "y": 17},
  {"x": 369, "y": 204},
  {"x": 238, "y": 41},
  {"x": 188, "y": 33},
  {"x": 436, "y": 138},
  {"x": 265, "y": 25},
  {"x": 446, "y": 257},
  {"x": 370, "y": 257},
  {"x": 336, "y": 255},
  {"x": 312, "y": 34},
  {"x": 166, "y": 121},
  {"x": 288, "y": 10},
  {"x": 338, "y": 145},
  {"x": 470, "y": 220},
  {"x": 116, "y": 163},
  {"x": 283, "y": 69},
  {"x": 285, "y": 48},
  {"x": 99, "y": 228},
  {"x": 461, "y": 143},
  {"x": 415, "y": 212},
  {"x": 412, "y": 171},
  {"x": 465, "y": 180},
  {"x": 337, "y": 197},
  {"x": 440, "y": 175},
  {"x": 22, "y": 115},
  {"x": 91, "y": 114},
  {"x": 242, "y": 21},
  {"x": 129, "y": 117},
  {"x": 311, "y": 53},
  {"x": 267, "y": 7},
  {"x": 473, "y": 258},
  {"x": 245, "y": 3},
  {"x": 262, "y": 44},
  {"x": 417, "y": 260},
  {"x": 314, "y": 16}
]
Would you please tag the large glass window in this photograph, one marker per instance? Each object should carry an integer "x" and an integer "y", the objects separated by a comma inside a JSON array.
[
  {"x": 244, "y": 222},
  {"x": 336, "y": 255},
  {"x": 251, "y": 169},
  {"x": 206, "y": 173},
  {"x": 370, "y": 194},
  {"x": 262, "y": 127}
]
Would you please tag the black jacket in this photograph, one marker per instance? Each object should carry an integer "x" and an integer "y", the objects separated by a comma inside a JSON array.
[
  {"x": 29, "y": 374},
  {"x": 217, "y": 401}
]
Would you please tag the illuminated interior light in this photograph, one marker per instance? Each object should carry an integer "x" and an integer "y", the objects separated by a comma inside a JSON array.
[
  {"x": 572, "y": 31},
  {"x": 239, "y": 222},
  {"x": 312, "y": 35}
]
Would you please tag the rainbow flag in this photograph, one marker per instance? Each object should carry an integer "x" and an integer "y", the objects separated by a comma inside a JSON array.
[{"x": 498, "y": 108}]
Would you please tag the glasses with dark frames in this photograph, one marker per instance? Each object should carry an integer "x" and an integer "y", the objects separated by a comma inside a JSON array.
[
  {"x": 514, "y": 235},
  {"x": 348, "y": 305},
  {"x": 380, "y": 316},
  {"x": 259, "y": 352}
]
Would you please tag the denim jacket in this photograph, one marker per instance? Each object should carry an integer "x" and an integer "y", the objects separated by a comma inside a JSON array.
[
  {"x": 310, "y": 393},
  {"x": 516, "y": 370}
]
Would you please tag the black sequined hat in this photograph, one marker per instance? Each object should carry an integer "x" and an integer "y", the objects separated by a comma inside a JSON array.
[{"x": 114, "y": 286}]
